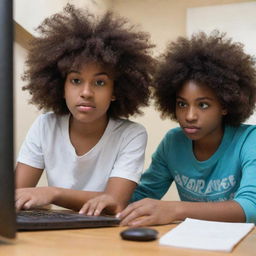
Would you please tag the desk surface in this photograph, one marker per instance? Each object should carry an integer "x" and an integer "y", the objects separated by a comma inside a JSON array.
[{"x": 107, "y": 242}]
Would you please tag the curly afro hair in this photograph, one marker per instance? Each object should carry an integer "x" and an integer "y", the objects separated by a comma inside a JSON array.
[
  {"x": 212, "y": 60},
  {"x": 74, "y": 37}
]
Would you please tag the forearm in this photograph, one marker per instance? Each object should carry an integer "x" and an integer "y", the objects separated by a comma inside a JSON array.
[
  {"x": 72, "y": 199},
  {"x": 155, "y": 212},
  {"x": 120, "y": 190},
  {"x": 229, "y": 211},
  {"x": 114, "y": 199}
]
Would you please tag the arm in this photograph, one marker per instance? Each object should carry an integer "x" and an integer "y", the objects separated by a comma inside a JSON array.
[
  {"x": 156, "y": 212},
  {"x": 117, "y": 192},
  {"x": 27, "y": 176},
  {"x": 246, "y": 193},
  {"x": 114, "y": 198},
  {"x": 27, "y": 196},
  {"x": 116, "y": 195}
]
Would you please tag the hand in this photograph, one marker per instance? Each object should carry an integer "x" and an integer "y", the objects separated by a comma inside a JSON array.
[
  {"x": 153, "y": 212},
  {"x": 27, "y": 198},
  {"x": 96, "y": 205}
]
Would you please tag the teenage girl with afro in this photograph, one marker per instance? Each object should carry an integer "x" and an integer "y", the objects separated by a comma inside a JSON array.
[
  {"x": 208, "y": 85},
  {"x": 89, "y": 74}
]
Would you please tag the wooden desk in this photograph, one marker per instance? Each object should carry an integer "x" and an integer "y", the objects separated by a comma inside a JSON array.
[{"x": 105, "y": 242}]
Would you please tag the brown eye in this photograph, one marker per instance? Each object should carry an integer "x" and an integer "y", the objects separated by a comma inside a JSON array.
[
  {"x": 99, "y": 83},
  {"x": 75, "y": 81},
  {"x": 181, "y": 104},
  {"x": 203, "y": 105}
]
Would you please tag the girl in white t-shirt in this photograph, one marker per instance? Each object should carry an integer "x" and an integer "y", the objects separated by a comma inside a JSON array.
[{"x": 88, "y": 73}]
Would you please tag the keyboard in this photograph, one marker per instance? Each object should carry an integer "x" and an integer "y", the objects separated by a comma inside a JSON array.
[{"x": 40, "y": 219}]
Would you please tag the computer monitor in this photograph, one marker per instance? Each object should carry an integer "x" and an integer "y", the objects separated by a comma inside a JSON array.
[{"x": 7, "y": 209}]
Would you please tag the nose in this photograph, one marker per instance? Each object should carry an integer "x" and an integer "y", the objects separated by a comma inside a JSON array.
[
  {"x": 191, "y": 114},
  {"x": 86, "y": 91}
]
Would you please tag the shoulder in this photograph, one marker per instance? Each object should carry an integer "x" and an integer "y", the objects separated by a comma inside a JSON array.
[
  {"x": 247, "y": 128},
  {"x": 126, "y": 131},
  {"x": 243, "y": 131},
  {"x": 47, "y": 117},
  {"x": 175, "y": 134},
  {"x": 126, "y": 126},
  {"x": 173, "y": 139},
  {"x": 242, "y": 137},
  {"x": 50, "y": 121}
]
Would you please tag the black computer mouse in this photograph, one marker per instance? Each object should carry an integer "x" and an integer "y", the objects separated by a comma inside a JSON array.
[{"x": 139, "y": 234}]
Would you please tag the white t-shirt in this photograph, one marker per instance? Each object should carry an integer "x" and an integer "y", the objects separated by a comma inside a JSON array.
[{"x": 119, "y": 153}]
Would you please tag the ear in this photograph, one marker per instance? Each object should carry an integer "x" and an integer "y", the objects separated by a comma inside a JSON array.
[{"x": 113, "y": 98}]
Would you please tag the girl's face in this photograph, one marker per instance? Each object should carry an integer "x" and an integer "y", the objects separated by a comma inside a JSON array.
[
  {"x": 199, "y": 112},
  {"x": 88, "y": 93}
]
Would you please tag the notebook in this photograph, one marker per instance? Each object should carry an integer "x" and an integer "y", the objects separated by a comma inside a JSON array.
[
  {"x": 206, "y": 235},
  {"x": 42, "y": 219}
]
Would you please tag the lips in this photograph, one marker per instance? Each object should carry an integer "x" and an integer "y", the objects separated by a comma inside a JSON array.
[
  {"x": 83, "y": 106},
  {"x": 191, "y": 129}
]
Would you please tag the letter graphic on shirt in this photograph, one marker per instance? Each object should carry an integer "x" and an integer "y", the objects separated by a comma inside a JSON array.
[
  {"x": 178, "y": 180},
  {"x": 200, "y": 188},
  {"x": 184, "y": 179},
  {"x": 232, "y": 180},
  {"x": 191, "y": 184},
  {"x": 225, "y": 184},
  {"x": 213, "y": 185},
  {"x": 200, "y": 184}
]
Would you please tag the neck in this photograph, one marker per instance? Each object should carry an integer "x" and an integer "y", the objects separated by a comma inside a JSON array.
[
  {"x": 206, "y": 147},
  {"x": 95, "y": 128}
]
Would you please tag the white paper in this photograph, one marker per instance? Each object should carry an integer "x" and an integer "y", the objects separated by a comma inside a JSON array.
[{"x": 206, "y": 235}]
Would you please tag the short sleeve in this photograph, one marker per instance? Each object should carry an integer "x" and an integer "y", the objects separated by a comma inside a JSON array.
[
  {"x": 31, "y": 149},
  {"x": 130, "y": 159}
]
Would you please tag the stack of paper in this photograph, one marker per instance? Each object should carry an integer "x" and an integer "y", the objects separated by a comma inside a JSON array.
[{"x": 206, "y": 235}]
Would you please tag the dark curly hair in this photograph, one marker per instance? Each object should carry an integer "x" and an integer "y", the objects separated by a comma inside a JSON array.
[
  {"x": 212, "y": 60},
  {"x": 72, "y": 38}
]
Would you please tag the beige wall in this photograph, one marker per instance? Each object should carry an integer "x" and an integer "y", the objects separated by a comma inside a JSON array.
[
  {"x": 30, "y": 13},
  {"x": 165, "y": 20},
  {"x": 24, "y": 113}
]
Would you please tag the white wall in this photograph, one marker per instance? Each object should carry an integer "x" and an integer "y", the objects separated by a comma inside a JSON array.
[
  {"x": 237, "y": 20},
  {"x": 30, "y": 13}
]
